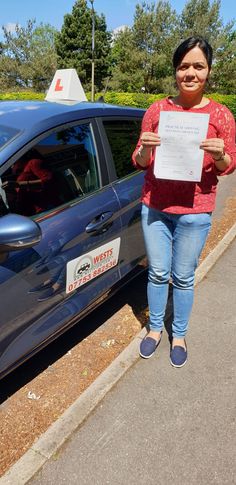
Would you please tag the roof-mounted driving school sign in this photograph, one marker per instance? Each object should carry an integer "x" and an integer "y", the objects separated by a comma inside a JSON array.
[{"x": 66, "y": 86}]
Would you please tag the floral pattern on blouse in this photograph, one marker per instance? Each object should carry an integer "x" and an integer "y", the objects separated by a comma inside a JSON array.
[{"x": 181, "y": 197}]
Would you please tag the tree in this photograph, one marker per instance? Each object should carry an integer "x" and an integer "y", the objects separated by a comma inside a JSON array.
[
  {"x": 142, "y": 54},
  {"x": 74, "y": 44},
  {"x": 150, "y": 41},
  {"x": 199, "y": 17},
  {"x": 44, "y": 57},
  {"x": 28, "y": 57},
  {"x": 223, "y": 78},
  {"x": 126, "y": 63}
]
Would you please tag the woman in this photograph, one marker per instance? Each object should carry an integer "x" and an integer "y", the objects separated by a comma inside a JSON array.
[{"x": 176, "y": 215}]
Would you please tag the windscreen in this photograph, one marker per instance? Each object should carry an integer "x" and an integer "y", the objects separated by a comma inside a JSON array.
[{"x": 6, "y": 135}]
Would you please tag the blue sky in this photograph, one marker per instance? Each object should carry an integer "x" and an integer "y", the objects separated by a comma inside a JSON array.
[{"x": 117, "y": 12}]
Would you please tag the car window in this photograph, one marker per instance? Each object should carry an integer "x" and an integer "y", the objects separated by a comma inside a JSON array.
[
  {"x": 7, "y": 134},
  {"x": 122, "y": 136},
  {"x": 3, "y": 202},
  {"x": 60, "y": 168}
]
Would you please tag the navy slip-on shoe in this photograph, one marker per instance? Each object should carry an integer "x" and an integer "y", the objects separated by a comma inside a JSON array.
[
  {"x": 148, "y": 347},
  {"x": 178, "y": 356}
]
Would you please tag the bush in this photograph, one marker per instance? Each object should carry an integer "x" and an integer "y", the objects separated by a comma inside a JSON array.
[
  {"x": 228, "y": 99},
  {"x": 139, "y": 100},
  {"x": 142, "y": 100},
  {"x": 22, "y": 96}
]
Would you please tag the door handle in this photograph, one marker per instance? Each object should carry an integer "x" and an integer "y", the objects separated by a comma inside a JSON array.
[{"x": 100, "y": 223}]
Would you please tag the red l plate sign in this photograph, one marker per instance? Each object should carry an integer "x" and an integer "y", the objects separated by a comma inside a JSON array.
[{"x": 58, "y": 86}]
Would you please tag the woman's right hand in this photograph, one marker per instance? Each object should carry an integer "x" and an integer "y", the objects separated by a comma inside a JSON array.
[{"x": 150, "y": 140}]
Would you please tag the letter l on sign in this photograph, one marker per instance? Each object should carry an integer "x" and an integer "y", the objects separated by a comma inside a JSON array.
[{"x": 58, "y": 86}]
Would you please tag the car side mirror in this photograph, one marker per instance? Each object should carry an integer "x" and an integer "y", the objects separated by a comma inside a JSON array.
[{"x": 18, "y": 232}]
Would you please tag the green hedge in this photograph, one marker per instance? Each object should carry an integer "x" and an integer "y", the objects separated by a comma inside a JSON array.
[
  {"x": 140, "y": 100},
  {"x": 22, "y": 96},
  {"x": 228, "y": 99}
]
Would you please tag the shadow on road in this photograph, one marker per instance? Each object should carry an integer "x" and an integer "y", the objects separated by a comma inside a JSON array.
[{"x": 132, "y": 294}]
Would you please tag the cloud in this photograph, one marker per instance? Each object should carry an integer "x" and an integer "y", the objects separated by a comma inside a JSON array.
[
  {"x": 11, "y": 27},
  {"x": 121, "y": 28},
  {"x": 116, "y": 31}
]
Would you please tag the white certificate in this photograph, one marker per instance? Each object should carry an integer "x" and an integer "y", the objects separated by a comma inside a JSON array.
[{"x": 179, "y": 156}]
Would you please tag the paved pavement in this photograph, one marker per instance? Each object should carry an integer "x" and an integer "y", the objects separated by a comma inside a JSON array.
[
  {"x": 161, "y": 425},
  {"x": 226, "y": 188}
]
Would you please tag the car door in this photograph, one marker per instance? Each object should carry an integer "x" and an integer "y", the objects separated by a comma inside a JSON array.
[
  {"x": 79, "y": 215},
  {"x": 122, "y": 135}
]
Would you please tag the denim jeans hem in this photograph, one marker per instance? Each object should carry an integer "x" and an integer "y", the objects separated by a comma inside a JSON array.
[
  {"x": 155, "y": 329},
  {"x": 174, "y": 335}
]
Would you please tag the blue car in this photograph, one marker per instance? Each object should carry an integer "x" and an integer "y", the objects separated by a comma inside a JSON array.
[{"x": 70, "y": 231}]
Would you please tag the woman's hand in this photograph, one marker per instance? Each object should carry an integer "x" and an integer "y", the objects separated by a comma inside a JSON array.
[
  {"x": 215, "y": 147},
  {"x": 149, "y": 140}
]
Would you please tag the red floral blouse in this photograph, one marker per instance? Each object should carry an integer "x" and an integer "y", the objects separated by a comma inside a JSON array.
[{"x": 180, "y": 197}]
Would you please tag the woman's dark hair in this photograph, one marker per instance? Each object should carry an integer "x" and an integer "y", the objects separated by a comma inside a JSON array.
[{"x": 189, "y": 44}]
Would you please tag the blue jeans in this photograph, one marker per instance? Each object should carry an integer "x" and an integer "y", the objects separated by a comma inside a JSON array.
[{"x": 173, "y": 244}]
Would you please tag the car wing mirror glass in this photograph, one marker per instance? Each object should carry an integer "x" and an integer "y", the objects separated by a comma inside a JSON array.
[{"x": 18, "y": 232}]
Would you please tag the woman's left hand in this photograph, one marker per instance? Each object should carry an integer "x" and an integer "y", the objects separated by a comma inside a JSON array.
[{"x": 214, "y": 146}]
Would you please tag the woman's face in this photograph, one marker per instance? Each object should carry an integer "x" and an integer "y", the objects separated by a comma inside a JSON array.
[{"x": 192, "y": 72}]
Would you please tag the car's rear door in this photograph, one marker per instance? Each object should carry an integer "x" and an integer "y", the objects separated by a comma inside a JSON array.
[{"x": 122, "y": 134}]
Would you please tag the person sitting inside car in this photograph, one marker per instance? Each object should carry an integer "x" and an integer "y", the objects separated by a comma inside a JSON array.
[{"x": 30, "y": 188}]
